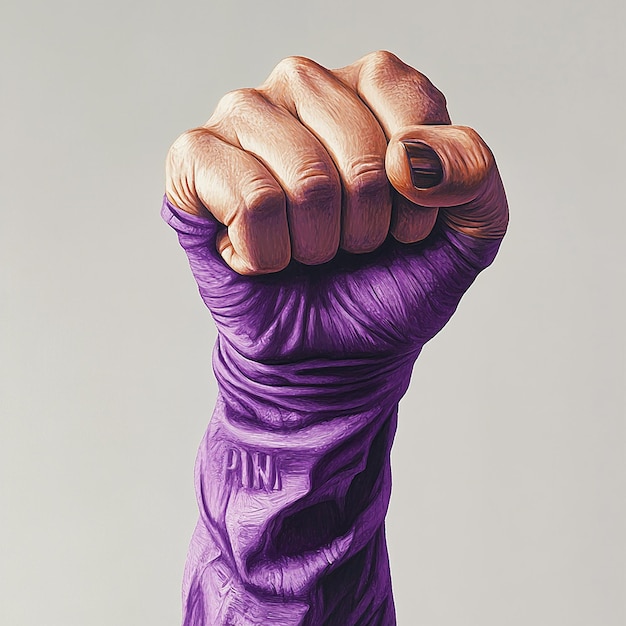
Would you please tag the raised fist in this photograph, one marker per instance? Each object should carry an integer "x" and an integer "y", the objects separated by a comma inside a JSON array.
[
  {"x": 332, "y": 219},
  {"x": 304, "y": 165}
]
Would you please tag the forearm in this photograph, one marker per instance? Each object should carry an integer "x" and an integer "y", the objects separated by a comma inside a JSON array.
[
  {"x": 293, "y": 475},
  {"x": 293, "y": 482}
]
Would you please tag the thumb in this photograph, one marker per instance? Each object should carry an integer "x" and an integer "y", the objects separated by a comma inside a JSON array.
[{"x": 452, "y": 168}]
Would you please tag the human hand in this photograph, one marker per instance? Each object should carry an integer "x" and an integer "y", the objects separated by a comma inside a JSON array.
[
  {"x": 304, "y": 165},
  {"x": 316, "y": 161}
]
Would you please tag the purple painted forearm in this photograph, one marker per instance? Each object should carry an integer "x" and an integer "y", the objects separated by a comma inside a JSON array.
[{"x": 293, "y": 476}]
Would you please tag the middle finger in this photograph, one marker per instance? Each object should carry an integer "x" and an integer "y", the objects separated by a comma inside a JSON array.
[{"x": 352, "y": 137}]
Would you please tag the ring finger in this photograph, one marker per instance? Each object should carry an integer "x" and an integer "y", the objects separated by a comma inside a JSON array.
[
  {"x": 297, "y": 161},
  {"x": 351, "y": 136}
]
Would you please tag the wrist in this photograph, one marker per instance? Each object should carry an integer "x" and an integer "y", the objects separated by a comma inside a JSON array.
[{"x": 293, "y": 394}]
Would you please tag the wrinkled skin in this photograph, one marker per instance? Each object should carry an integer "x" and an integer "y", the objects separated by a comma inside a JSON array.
[{"x": 326, "y": 269}]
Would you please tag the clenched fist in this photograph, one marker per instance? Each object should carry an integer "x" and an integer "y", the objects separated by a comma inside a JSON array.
[
  {"x": 333, "y": 220},
  {"x": 317, "y": 160}
]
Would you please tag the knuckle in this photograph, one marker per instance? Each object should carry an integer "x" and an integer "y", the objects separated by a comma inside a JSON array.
[
  {"x": 316, "y": 185},
  {"x": 261, "y": 196},
  {"x": 184, "y": 143},
  {"x": 367, "y": 178},
  {"x": 180, "y": 169},
  {"x": 235, "y": 100},
  {"x": 381, "y": 59},
  {"x": 385, "y": 68},
  {"x": 185, "y": 151},
  {"x": 386, "y": 65},
  {"x": 293, "y": 68}
]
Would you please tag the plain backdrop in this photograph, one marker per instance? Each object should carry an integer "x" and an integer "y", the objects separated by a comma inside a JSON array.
[{"x": 509, "y": 464}]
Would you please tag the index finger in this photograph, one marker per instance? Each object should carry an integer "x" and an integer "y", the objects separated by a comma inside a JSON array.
[
  {"x": 399, "y": 96},
  {"x": 430, "y": 162}
]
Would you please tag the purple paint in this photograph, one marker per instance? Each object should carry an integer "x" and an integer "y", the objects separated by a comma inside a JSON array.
[{"x": 293, "y": 476}]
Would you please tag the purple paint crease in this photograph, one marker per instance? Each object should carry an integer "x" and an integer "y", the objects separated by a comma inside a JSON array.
[{"x": 293, "y": 476}]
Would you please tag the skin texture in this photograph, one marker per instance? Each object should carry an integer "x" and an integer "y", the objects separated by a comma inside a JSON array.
[
  {"x": 312, "y": 161},
  {"x": 326, "y": 270}
]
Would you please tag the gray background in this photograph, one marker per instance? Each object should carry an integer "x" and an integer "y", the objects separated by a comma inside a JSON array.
[{"x": 509, "y": 494}]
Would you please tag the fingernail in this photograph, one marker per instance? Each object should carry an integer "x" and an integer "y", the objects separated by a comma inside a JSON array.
[{"x": 426, "y": 169}]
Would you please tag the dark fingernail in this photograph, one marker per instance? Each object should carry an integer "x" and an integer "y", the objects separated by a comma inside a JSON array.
[{"x": 426, "y": 169}]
